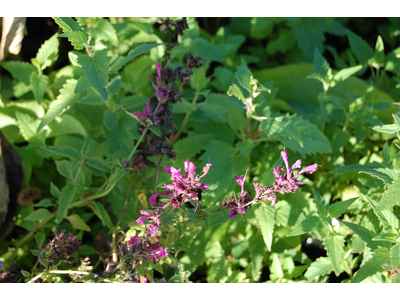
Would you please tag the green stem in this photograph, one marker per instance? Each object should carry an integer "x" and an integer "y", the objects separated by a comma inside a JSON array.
[
  {"x": 57, "y": 272},
  {"x": 187, "y": 116}
]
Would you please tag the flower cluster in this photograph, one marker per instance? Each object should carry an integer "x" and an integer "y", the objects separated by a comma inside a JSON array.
[
  {"x": 148, "y": 114},
  {"x": 63, "y": 246},
  {"x": 286, "y": 183},
  {"x": 184, "y": 188}
]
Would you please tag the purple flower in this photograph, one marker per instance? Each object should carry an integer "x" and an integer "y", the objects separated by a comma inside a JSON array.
[
  {"x": 148, "y": 114},
  {"x": 184, "y": 187},
  {"x": 154, "y": 221},
  {"x": 161, "y": 93}
]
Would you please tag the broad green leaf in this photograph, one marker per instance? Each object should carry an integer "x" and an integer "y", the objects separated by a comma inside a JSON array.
[
  {"x": 64, "y": 167},
  {"x": 360, "y": 48},
  {"x": 73, "y": 31},
  {"x": 63, "y": 150},
  {"x": 216, "y": 107},
  {"x": 260, "y": 27},
  {"x": 66, "y": 198},
  {"x": 48, "y": 52},
  {"x": 391, "y": 196},
  {"x": 188, "y": 147},
  {"x": 198, "y": 80},
  {"x": 321, "y": 66},
  {"x": 313, "y": 140},
  {"x": 95, "y": 71},
  {"x": 244, "y": 77},
  {"x": 77, "y": 222},
  {"x": 206, "y": 50},
  {"x": 339, "y": 208},
  {"x": 19, "y": 70},
  {"x": 373, "y": 265},
  {"x": 305, "y": 225},
  {"x": 386, "y": 175},
  {"x": 245, "y": 147},
  {"x": 395, "y": 255},
  {"x": 86, "y": 145},
  {"x": 281, "y": 127},
  {"x": 120, "y": 138},
  {"x": 37, "y": 215},
  {"x": 66, "y": 98},
  {"x": 65, "y": 125},
  {"x": 39, "y": 84},
  {"x": 265, "y": 216},
  {"x": 183, "y": 107},
  {"x": 68, "y": 24},
  {"x": 276, "y": 267},
  {"x": 27, "y": 126},
  {"x": 236, "y": 118},
  {"x": 110, "y": 119},
  {"x": 334, "y": 245},
  {"x": 103, "y": 30},
  {"x": 365, "y": 234},
  {"x": 321, "y": 266}
]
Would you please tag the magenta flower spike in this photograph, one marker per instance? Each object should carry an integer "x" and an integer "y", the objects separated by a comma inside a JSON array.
[
  {"x": 161, "y": 92},
  {"x": 148, "y": 115}
]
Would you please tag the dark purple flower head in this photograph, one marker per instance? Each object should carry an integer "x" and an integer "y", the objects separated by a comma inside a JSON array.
[
  {"x": 184, "y": 187},
  {"x": 161, "y": 92},
  {"x": 288, "y": 183},
  {"x": 63, "y": 246},
  {"x": 148, "y": 114}
]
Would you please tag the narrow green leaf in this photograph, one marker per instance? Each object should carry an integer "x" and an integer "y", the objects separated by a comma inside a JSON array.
[
  {"x": 102, "y": 214},
  {"x": 334, "y": 246},
  {"x": 77, "y": 222},
  {"x": 321, "y": 266},
  {"x": 388, "y": 128},
  {"x": 343, "y": 74},
  {"x": 66, "y": 98},
  {"x": 54, "y": 190},
  {"x": 386, "y": 237},
  {"x": 379, "y": 56},
  {"x": 95, "y": 71},
  {"x": 257, "y": 250},
  {"x": 39, "y": 85},
  {"x": 386, "y": 155},
  {"x": 38, "y": 215},
  {"x": 321, "y": 65},
  {"x": 373, "y": 265},
  {"x": 44, "y": 203},
  {"x": 86, "y": 145},
  {"x": 265, "y": 215},
  {"x": 338, "y": 208},
  {"x": 365, "y": 234},
  {"x": 243, "y": 76},
  {"x": 320, "y": 203},
  {"x": 63, "y": 150},
  {"x": 66, "y": 198},
  {"x": 391, "y": 196}
]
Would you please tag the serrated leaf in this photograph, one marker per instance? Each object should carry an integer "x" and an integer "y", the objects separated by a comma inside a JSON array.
[
  {"x": 75, "y": 33},
  {"x": 198, "y": 80},
  {"x": 281, "y": 127},
  {"x": 48, "y": 52},
  {"x": 391, "y": 196},
  {"x": 387, "y": 217},
  {"x": 362, "y": 51},
  {"x": 68, "y": 24},
  {"x": 373, "y": 265},
  {"x": 95, "y": 70},
  {"x": 37, "y": 215},
  {"x": 321, "y": 266},
  {"x": 305, "y": 225},
  {"x": 66, "y": 98},
  {"x": 77, "y": 39},
  {"x": 234, "y": 90},
  {"x": 339, "y": 208},
  {"x": 276, "y": 267},
  {"x": 334, "y": 246},
  {"x": 103, "y": 30},
  {"x": 19, "y": 70},
  {"x": 63, "y": 150},
  {"x": 386, "y": 175},
  {"x": 77, "y": 222},
  {"x": 245, "y": 147},
  {"x": 365, "y": 234},
  {"x": 265, "y": 216},
  {"x": 244, "y": 77},
  {"x": 39, "y": 85},
  {"x": 236, "y": 118},
  {"x": 26, "y": 125},
  {"x": 66, "y": 198},
  {"x": 314, "y": 141}
]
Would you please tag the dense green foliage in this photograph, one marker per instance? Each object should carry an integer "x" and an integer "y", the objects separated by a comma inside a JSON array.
[{"x": 320, "y": 87}]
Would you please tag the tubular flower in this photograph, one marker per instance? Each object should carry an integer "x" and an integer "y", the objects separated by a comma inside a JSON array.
[
  {"x": 147, "y": 114},
  {"x": 161, "y": 92},
  {"x": 184, "y": 187}
]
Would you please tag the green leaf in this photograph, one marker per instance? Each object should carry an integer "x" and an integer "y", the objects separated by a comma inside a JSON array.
[
  {"x": 395, "y": 255},
  {"x": 244, "y": 76},
  {"x": 103, "y": 30},
  {"x": 334, "y": 245},
  {"x": 245, "y": 147},
  {"x": 119, "y": 138},
  {"x": 64, "y": 167},
  {"x": 27, "y": 126},
  {"x": 68, "y": 24},
  {"x": 265, "y": 216},
  {"x": 386, "y": 237},
  {"x": 19, "y": 70},
  {"x": 216, "y": 107},
  {"x": 198, "y": 80},
  {"x": 54, "y": 190},
  {"x": 391, "y": 196},
  {"x": 188, "y": 147},
  {"x": 320, "y": 203},
  {"x": 65, "y": 125},
  {"x": 37, "y": 215},
  {"x": 379, "y": 56},
  {"x": 386, "y": 175},
  {"x": 343, "y": 74},
  {"x": 48, "y": 52},
  {"x": 257, "y": 250},
  {"x": 206, "y": 50},
  {"x": 234, "y": 90},
  {"x": 39, "y": 85},
  {"x": 117, "y": 62},
  {"x": 63, "y": 150},
  {"x": 95, "y": 70},
  {"x": 388, "y": 128},
  {"x": 281, "y": 127},
  {"x": 373, "y": 265},
  {"x": 44, "y": 203},
  {"x": 386, "y": 155},
  {"x": 339, "y": 208},
  {"x": 110, "y": 119},
  {"x": 75, "y": 33},
  {"x": 321, "y": 66},
  {"x": 236, "y": 118},
  {"x": 314, "y": 141},
  {"x": 321, "y": 266},
  {"x": 102, "y": 214},
  {"x": 66, "y": 98},
  {"x": 77, "y": 222},
  {"x": 276, "y": 267},
  {"x": 35, "y": 252},
  {"x": 305, "y": 225},
  {"x": 365, "y": 234},
  {"x": 387, "y": 217},
  {"x": 66, "y": 198},
  {"x": 362, "y": 51}
]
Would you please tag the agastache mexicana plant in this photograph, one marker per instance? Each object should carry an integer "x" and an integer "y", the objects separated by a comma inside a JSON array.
[{"x": 286, "y": 183}]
